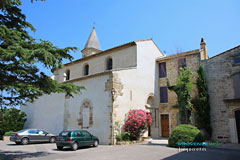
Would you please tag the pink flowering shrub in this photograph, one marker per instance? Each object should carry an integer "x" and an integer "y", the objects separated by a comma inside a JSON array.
[{"x": 137, "y": 122}]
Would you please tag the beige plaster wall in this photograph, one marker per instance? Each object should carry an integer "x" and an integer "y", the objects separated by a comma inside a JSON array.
[
  {"x": 55, "y": 113},
  {"x": 46, "y": 113},
  {"x": 137, "y": 83},
  {"x": 122, "y": 58}
]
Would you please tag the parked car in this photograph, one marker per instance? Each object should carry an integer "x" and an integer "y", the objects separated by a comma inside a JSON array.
[
  {"x": 75, "y": 139},
  {"x": 26, "y": 136}
]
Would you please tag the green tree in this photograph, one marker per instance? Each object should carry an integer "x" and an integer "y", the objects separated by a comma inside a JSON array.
[
  {"x": 21, "y": 79},
  {"x": 3, "y": 3},
  {"x": 201, "y": 104},
  {"x": 183, "y": 90},
  {"x": 11, "y": 120}
]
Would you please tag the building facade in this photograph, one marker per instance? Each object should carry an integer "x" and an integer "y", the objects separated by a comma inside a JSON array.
[
  {"x": 116, "y": 80},
  {"x": 223, "y": 79},
  {"x": 134, "y": 76},
  {"x": 165, "y": 117}
]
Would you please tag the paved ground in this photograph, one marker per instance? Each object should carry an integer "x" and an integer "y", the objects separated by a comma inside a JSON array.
[{"x": 151, "y": 150}]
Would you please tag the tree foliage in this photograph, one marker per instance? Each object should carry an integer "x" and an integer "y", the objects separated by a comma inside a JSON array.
[
  {"x": 3, "y": 3},
  {"x": 201, "y": 104},
  {"x": 21, "y": 79},
  {"x": 11, "y": 120},
  {"x": 183, "y": 89}
]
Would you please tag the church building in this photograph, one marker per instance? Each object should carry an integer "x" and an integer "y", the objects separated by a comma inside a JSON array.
[{"x": 117, "y": 80}]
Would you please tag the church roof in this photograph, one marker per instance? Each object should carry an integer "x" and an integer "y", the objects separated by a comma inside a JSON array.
[{"x": 93, "y": 41}]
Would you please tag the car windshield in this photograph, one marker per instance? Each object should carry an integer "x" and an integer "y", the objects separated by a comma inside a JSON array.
[{"x": 65, "y": 133}]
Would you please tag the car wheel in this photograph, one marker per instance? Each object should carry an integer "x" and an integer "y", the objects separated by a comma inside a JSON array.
[
  {"x": 74, "y": 146},
  {"x": 52, "y": 140},
  {"x": 95, "y": 143},
  {"x": 25, "y": 141},
  {"x": 18, "y": 142},
  {"x": 59, "y": 147}
]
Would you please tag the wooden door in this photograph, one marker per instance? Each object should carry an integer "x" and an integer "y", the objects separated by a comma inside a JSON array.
[
  {"x": 165, "y": 125},
  {"x": 237, "y": 117}
]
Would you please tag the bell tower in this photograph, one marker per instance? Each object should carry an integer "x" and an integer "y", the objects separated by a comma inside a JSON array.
[{"x": 92, "y": 46}]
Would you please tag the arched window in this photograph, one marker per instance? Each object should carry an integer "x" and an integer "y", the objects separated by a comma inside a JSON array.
[
  {"x": 67, "y": 75},
  {"x": 109, "y": 64},
  {"x": 86, "y": 70},
  {"x": 86, "y": 115}
]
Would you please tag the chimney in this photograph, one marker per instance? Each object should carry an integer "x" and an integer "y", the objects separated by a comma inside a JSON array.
[{"x": 204, "y": 51}]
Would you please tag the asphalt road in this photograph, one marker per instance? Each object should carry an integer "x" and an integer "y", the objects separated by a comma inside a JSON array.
[{"x": 143, "y": 151}]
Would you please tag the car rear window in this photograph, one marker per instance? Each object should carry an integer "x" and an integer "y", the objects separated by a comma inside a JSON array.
[
  {"x": 22, "y": 131},
  {"x": 65, "y": 134}
]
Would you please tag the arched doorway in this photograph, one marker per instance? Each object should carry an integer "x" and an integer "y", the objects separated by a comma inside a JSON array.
[{"x": 152, "y": 107}]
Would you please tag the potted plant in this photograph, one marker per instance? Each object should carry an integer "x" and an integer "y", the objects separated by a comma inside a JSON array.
[{"x": 6, "y": 136}]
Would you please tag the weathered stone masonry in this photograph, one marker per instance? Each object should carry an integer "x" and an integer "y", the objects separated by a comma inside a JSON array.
[
  {"x": 220, "y": 72},
  {"x": 115, "y": 87}
]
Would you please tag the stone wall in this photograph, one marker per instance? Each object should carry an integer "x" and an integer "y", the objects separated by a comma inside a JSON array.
[
  {"x": 192, "y": 62},
  {"x": 219, "y": 70}
]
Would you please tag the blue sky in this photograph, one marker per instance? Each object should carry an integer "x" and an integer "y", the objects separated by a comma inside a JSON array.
[{"x": 172, "y": 24}]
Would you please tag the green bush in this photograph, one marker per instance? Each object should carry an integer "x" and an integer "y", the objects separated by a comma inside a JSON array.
[
  {"x": 11, "y": 119},
  {"x": 8, "y": 133},
  {"x": 185, "y": 133},
  {"x": 123, "y": 136}
]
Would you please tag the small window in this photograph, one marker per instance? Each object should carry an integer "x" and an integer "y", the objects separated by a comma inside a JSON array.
[
  {"x": 236, "y": 60},
  {"x": 67, "y": 75},
  {"x": 109, "y": 64},
  {"x": 182, "y": 63},
  {"x": 163, "y": 94},
  {"x": 162, "y": 70},
  {"x": 86, "y": 70},
  {"x": 236, "y": 84}
]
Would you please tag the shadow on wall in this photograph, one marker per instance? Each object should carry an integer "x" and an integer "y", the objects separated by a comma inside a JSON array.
[{"x": 7, "y": 155}]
